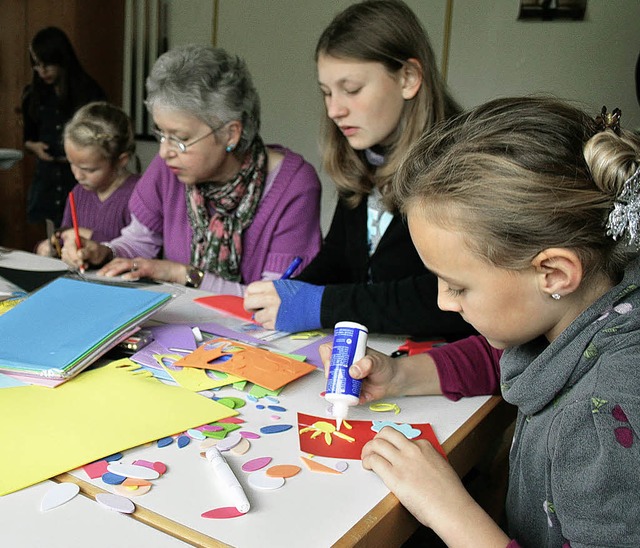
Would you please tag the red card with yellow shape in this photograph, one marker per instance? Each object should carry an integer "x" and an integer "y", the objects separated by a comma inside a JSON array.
[{"x": 319, "y": 436}]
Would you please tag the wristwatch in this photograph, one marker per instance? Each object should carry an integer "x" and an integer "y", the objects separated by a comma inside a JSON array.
[{"x": 194, "y": 276}]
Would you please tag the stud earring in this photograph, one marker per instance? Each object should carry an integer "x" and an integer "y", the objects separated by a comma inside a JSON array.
[
  {"x": 230, "y": 148},
  {"x": 556, "y": 296}
]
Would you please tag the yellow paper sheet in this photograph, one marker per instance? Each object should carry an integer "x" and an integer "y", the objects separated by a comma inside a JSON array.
[{"x": 47, "y": 431}]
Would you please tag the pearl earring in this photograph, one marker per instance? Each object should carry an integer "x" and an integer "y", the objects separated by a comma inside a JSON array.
[
  {"x": 556, "y": 296},
  {"x": 230, "y": 148}
]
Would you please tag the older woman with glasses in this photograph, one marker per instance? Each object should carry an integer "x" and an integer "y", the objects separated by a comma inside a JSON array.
[{"x": 216, "y": 209}]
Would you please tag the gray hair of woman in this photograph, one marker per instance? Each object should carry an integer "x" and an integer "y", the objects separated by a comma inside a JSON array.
[{"x": 208, "y": 83}]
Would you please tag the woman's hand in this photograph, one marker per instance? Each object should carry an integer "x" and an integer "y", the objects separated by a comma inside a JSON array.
[
  {"x": 156, "y": 269},
  {"x": 263, "y": 300}
]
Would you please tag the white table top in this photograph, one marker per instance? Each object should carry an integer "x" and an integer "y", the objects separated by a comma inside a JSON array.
[{"x": 311, "y": 509}]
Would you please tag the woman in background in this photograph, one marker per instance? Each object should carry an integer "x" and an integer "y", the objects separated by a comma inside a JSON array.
[{"x": 59, "y": 87}]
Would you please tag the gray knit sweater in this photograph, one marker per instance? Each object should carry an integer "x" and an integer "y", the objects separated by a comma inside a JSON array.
[{"x": 575, "y": 459}]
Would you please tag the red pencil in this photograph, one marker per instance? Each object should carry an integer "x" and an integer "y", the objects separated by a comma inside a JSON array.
[{"x": 74, "y": 219}]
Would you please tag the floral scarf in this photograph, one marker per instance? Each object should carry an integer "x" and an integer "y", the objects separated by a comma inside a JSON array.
[{"x": 219, "y": 213}]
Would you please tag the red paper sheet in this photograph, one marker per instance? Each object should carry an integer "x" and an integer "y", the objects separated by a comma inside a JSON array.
[
  {"x": 360, "y": 430},
  {"x": 229, "y": 304}
]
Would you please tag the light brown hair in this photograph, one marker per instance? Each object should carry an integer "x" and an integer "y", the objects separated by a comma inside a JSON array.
[
  {"x": 386, "y": 32},
  {"x": 519, "y": 175}
]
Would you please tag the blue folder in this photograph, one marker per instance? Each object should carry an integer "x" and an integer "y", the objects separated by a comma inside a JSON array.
[{"x": 67, "y": 324}]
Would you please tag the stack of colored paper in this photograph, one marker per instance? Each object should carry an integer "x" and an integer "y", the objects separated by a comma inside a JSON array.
[{"x": 66, "y": 325}]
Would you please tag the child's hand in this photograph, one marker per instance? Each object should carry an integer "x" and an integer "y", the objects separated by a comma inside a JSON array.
[
  {"x": 91, "y": 252},
  {"x": 376, "y": 370},
  {"x": 418, "y": 475}
]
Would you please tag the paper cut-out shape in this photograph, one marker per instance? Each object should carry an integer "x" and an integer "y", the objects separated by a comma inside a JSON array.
[
  {"x": 327, "y": 429},
  {"x": 283, "y": 471},
  {"x": 316, "y": 466},
  {"x": 360, "y": 431},
  {"x": 59, "y": 494},
  {"x": 260, "y": 480},
  {"x": 223, "y": 513},
  {"x": 192, "y": 378},
  {"x": 382, "y": 407},
  {"x": 231, "y": 305},
  {"x": 406, "y": 429},
  {"x": 256, "y": 464},
  {"x": 115, "y": 502},
  {"x": 257, "y": 365}
]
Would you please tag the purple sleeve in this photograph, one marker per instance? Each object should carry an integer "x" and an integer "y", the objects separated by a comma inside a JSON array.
[{"x": 468, "y": 367}]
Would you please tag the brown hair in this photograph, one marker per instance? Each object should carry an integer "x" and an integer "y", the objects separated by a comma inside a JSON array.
[
  {"x": 519, "y": 175},
  {"x": 386, "y": 32}
]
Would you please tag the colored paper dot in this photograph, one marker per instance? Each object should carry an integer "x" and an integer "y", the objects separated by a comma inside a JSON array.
[
  {"x": 278, "y": 408},
  {"x": 112, "y": 479},
  {"x": 275, "y": 428},
  {"x": 163, "y": 442},
  {"x": 183, "y": 441}
]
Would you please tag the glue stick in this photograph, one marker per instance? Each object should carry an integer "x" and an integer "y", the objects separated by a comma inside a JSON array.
[{"x": 349, "y": 345}]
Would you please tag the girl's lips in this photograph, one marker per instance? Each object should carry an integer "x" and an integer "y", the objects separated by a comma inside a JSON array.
[{"x": 348, "y": 131}]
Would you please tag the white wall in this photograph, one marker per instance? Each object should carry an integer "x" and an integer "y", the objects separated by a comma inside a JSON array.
[{"x": 491, "y": 54}]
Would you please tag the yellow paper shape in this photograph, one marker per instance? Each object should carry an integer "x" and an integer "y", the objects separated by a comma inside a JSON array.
[
  {"x": 257, "y": 365},
  {"x": 193, "y": 379},
  {"x": 47, "y": 431}
]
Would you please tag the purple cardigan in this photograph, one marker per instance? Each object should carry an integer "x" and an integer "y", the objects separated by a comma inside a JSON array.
[
  {"x": 286, "y": 224},
  {"x": 107, "y": 218}
]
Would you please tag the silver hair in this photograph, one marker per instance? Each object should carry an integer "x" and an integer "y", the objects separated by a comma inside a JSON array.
[{"x": 208, "y": 83}]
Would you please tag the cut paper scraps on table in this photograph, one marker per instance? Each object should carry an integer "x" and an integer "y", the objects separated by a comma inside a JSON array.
[
  {"x": 315, "y": 432},
  {"x": 231, "y": 305},
  {"x": 261, "y": 367},
  {"x": 312, "y": 351},
  {"x": 99, "y": 412},
  {"x": 193, "y": 378}
]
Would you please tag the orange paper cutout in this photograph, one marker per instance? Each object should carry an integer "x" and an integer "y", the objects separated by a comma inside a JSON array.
[
  {"x": 317, "y": 467},
  {"x": 264, "y": 368}
]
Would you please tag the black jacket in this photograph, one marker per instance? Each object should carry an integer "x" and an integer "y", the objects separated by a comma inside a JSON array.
[{"x": 389, "y": 292}]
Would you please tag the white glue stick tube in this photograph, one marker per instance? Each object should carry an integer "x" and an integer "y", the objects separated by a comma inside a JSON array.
[
  {"x": 349, "y": 345},
  {"x": 228, "y": 481}
]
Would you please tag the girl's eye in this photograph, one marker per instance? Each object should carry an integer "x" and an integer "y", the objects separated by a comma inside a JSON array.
[
  {"x": 352, "y": 91},
  {"x": 455, "y": 292}
]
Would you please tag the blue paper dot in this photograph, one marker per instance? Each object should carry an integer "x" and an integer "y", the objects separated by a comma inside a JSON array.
[
  {"x": 275, "y": 428},
  {"x": 115, "y": 456},
  {"x": 112, "y": 479},
  {"x": 183, "y": 441},
  {"x": 277, "y": 408},
  {"x": 259, "y": 406},
  {"x": 165, "y": 441},
  {"x": 272, "y": 399}
]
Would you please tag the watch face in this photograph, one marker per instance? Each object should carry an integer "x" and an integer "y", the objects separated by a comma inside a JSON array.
[{"x": 194, "y": 277}]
